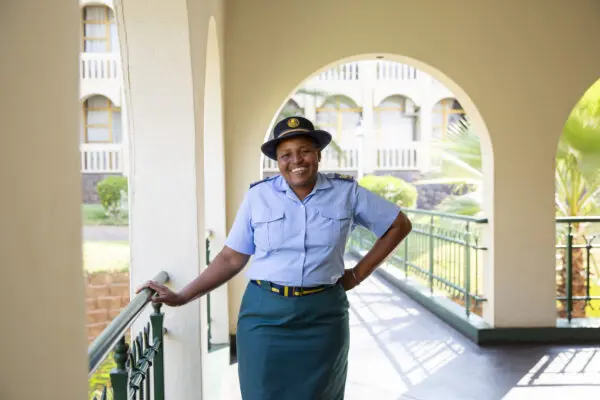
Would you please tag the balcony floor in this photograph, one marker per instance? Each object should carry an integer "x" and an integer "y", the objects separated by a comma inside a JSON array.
[{"x": 401, "y": 351}]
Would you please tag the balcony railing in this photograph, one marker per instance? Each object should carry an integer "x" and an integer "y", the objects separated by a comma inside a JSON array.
[
  {"x": 401, "y": 158},
  {"x": 331, "y": 160},
  {"x": 101, "y": 158},
  {"x": 139, "y": 364},
  {"x": 103, "y": 66},
  {"x": 442, "y": 253},
  {"x": 376, "y": 70},
  {"x": 577, "y": 269}
]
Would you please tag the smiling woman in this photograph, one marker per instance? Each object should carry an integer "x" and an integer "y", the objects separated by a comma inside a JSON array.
[{"x": 295, "y": 225}]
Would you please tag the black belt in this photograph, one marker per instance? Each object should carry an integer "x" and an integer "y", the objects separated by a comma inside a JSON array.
[{"x": 291, "y": 291}]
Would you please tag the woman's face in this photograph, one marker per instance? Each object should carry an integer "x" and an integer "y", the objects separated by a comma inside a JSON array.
[{"x": 298, "y": 161}]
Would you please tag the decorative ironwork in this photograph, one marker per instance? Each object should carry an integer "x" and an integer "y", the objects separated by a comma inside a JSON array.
[{"x": 139, "y": 369}]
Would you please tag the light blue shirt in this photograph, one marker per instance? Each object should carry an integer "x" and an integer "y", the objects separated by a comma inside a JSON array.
[{"x": 302, "y": 243}]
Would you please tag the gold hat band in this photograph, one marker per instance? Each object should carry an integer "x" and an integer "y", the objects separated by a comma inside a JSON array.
[{"x": 292, "y": 131}]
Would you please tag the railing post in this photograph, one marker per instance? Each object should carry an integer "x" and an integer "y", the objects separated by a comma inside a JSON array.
[
  {"x": 156, "y": 319},
  {"x": 406, "y": 257},
  {"x": 208, "y": 311},
  {"x": 569, "y": 282},
  {"x": 467, "y": 270},
  {"x": 119, "y": 376},
  {"x": 431, "y": 265}
]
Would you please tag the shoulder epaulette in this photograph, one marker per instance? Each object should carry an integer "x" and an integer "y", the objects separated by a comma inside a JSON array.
[
  {"x": 342, "y": 177},
  {"x": 261, "y": 181}
]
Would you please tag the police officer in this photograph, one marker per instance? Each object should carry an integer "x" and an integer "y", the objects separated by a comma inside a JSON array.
[{"x": 293, "y": 333}]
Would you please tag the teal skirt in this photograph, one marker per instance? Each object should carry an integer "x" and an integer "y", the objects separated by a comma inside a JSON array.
[{"x": 293, "y": 348}]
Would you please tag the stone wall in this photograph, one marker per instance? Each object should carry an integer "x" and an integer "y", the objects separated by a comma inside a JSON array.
[
  {"x": 106, "y": 294},
  {"x": 88, "y": 187}
]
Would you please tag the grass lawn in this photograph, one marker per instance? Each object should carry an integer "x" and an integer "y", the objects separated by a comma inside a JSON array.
[
  {"x": 106, "y": 256},
  {"x": 93, "y": 214}
]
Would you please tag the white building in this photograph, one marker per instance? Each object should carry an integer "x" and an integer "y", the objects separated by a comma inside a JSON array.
[
  {"x": 104, "y": 141},
  {"x": 383, "y": 116}
]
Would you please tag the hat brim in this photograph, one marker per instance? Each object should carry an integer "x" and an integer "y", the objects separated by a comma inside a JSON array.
[{"x": 323, "y": 138}]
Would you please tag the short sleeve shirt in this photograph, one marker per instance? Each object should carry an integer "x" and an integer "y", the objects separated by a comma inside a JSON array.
[{"x": 302, "y": 243}]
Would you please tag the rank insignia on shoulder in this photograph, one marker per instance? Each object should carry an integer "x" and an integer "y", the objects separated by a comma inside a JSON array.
[
  {"x": 343, "y": 177},
  {"x": 261, "y": 181}
]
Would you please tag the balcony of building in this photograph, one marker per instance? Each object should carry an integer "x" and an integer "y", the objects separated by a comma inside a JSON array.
[{"x": 204, "y": 82}]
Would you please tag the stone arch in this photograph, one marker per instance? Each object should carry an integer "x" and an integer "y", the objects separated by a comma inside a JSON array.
[
  {"x": 576, "y": 176},
  {"x": 92, "y": 3},
  {"x": 438, "y": 76}
]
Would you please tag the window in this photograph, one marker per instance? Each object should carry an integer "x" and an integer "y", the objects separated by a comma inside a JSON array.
[
  {"x": 99, "y": 30},
  {"x": 290, "y": 109},
  {"x": 396, "y": 121},
  {"x": 445, "y": 113},
  {"x": 341, "y": 117},
  {"x": 101, "y": 121}
]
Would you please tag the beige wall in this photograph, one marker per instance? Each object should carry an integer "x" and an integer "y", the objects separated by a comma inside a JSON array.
[
  {"x": 522, "y": 64},
  {"x": 43, "y": 318}
]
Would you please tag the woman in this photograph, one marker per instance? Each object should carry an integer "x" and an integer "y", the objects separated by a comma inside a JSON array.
[{"x": 293, "y": 334}]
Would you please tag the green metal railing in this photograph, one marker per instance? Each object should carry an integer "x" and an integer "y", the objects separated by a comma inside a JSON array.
[
  {"x": 131, "y": 378},
  {"x": 578, "y": 274},
  {"x": 209, "y": 236},
  {"x": 443, "y": 252}
]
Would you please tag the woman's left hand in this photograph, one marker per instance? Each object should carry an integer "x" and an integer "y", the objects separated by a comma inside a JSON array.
[{"x": 350, "y": 279}]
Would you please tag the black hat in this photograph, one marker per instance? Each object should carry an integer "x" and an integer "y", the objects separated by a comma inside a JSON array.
[{"x": 292, "y": 127}]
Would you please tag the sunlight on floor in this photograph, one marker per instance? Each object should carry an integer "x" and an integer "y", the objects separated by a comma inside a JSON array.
[{"x": 569, "y": 374}]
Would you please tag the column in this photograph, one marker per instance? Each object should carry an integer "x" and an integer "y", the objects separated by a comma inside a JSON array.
[
  {"x": 214, "y": 175},
  {"x": 43, "y": 340},
  {"x": 310, "y": 107},
  {"x": 126, "y": 150},
  {"x": 424, "y": 146},
  {"x": 166, "y": 178},
  {"x": 368, "y": 150}
]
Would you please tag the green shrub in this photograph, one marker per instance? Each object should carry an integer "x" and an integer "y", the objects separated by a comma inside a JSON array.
[
  {"x": 394, "y": 189},
  {"x": 112, "y": 191},
  {"x": 101, "y": 378}
]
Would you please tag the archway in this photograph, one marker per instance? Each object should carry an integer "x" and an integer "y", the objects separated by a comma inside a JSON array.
[
  {"x": 387, "y": 117},
  {"x": 577, "y": 204}
]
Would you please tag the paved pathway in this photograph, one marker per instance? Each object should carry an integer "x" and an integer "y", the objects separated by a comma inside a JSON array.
[
  {"x": 401, "y": 351},
  {"x": 106, "y": 233}
]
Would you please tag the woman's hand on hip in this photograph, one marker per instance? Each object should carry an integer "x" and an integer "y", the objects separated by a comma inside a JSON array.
[
  {"x": 163, "y": 294},
  {"x": 350, "y": 279}
]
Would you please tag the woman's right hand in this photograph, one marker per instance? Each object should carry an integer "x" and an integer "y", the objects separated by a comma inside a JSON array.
[{"x": 163, "y": 294}]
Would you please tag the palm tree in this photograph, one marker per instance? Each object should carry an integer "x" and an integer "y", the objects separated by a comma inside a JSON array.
[
  {"x": 577, "y": 180},
  {"x": 460, "y": 153}
]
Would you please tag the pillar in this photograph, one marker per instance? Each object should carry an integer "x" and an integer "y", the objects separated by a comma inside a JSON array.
[
  {"x": 166, "y": 175},
  {"x": 43, "y": 339},
  {"x": 368, "y": 143},
  {"x": 425, "y": 145}
]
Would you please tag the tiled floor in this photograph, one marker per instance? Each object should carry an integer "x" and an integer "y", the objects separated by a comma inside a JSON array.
[{"x": 401, "y": 351}]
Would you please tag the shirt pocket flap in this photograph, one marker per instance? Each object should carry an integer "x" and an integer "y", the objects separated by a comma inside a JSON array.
[
  {"x": 262, "y": 216},
  {"x": 333, "y": 213}
]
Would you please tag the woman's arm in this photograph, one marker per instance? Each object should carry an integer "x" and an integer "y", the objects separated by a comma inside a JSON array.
[
  {"x": 225, "y": 266},
  {"x": 381, "y": 250}
]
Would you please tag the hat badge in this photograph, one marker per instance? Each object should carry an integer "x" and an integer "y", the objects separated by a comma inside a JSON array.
[{"x": 293, "y": 123}]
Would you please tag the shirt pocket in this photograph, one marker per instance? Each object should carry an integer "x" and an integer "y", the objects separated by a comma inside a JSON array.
[
  {"x": 268, "y": 229},
  {"x": 334, "y": 224}
]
